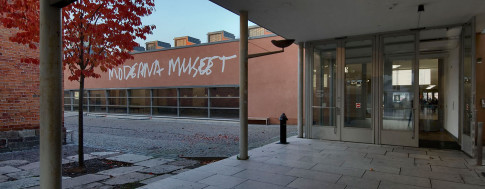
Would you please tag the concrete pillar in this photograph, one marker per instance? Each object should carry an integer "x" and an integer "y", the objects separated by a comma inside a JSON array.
[
  {"x": 300, "y": 89},
  {"x": 243, "y": 85},
  {"x": 50, "y": 95}
]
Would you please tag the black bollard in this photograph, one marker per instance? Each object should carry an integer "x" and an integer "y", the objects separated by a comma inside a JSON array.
[{"x": 283, "y": 120}]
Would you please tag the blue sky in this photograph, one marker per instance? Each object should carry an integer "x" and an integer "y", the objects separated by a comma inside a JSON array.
[{"x": 176, "y": 18}]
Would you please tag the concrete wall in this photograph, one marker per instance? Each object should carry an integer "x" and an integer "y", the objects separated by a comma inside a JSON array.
[
  {"x": 19, "y": 95},
  {"x": 272, "y": 79},
  {"x": 451, "y": 91},
  {"x": 480, "y": 78}
]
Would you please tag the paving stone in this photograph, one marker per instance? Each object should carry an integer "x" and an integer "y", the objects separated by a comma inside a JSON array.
[
  {"x": 155, "y": 179},
  {"x": 291, "y": 163},
  {"x": 180, "y": 171},
  {"x": 339, "y": 170},
  {"x": 220, "y": 169},
  {"x": 171, "y": 183},
  {"x": 121, "y": 170},
  {"x": 22, "y": 183},
  {"x": 94, "y": 185},
  {"x": 358, "y": 182},
  {"x": 130, "y": 158},
  {"x": 453, "y": 185},
  {"x": 104, "y": 154},
  {"x": 314, "y": 175},
  {"x": 474, "y": 180},
  {"x": 222, "y": 181},
  {"x": 13, "y": 163},
  {"x": 83, "y": 180},
  {"x": 8, "y": 169},
  {"x": 127, "y": 178},
  {"x": 34, "y": 165},
  {"x": 255, "y": 184},
  {"x": 429, "y": 174},
  {"x": 25, "y": 174},
  {"x": 161, "y": 169},
  {"x": 184, "y": 162},
  {"x": 415, "y": 181},
  {"x": 388, "y": 184},
  {"x": 422, "y": 156},
  {"x": 193, "y": 175},
  {"x": 307, "y": 183},
  {"x": 267, "y": 177},
  {"x": 373, "y": 167},
  {"x": 76, "y": 157},
  {"x": 249, "y": 164},
  {"x": 454, "y": 164},
  {"x": 3, "y": 178},
  {"x": 451, "y": 170},
  {"x": 153, "y": 162}
]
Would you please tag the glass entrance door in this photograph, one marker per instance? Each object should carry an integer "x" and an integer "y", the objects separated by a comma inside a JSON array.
[
  {"x": 325, "y": 108},
  {"x": 398, "y": 90},
  {"x": 467, "y": 86},
  {"x": 358, "y": 104}
]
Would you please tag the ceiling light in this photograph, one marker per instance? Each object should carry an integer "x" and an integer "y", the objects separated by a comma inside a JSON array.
[
  {"x": 395, "y": 66},
  {"x": 430, "y": 87}
]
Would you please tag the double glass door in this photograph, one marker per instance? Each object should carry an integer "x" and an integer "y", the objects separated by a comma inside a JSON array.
[
  {"x": 364, "y": 90},
  {"x": 342, "y": 98}
]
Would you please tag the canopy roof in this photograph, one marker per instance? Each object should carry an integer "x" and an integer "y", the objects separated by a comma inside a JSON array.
[{"x": 306, "y": 20}]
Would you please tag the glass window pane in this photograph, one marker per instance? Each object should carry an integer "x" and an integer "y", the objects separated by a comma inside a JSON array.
[
  {"x": 165, "y": 111},
  {"x": 225, "y": 113},
  {"x": 97, "y": 97},
  {"x": 358, "y": 88},
  {"x": 193, "y": 112},
  {"x": 193, "y": 92},
  {"x": 140, "y": 93},
  {"x": 139, "y": 110},
  {"x": 164, "y": 101},
  {"x": 193, "y": 102},
  {"x": 117, "y": 109},
  {"x": 117, "y": 97},
  {"x": 140, "y": 101},
  {"x": 225, "y": 102},
  {"x": 399, "y": 44},
  {"x": 225, "y": 92},
  {"x": 101, "y": 109},
  {"x": 164, "y": 92},
  {"x": 324, "y": 85}
]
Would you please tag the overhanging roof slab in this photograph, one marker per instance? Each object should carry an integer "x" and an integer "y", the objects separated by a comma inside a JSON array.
[{"x": 307, "y": 20}]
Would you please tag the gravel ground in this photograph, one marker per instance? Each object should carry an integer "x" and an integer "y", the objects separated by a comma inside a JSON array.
[{"x": 170, "y": 138}]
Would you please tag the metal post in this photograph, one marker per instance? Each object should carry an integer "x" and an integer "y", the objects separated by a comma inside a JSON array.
[
  {"x": 243, "y": 85},
  {"x": 479, "y": 143},
  {"x": 300, "y": 89},
  {"x": 50, "y": 95}
]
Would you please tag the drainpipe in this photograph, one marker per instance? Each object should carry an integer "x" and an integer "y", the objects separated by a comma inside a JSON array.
[
  {"x": 300, "y": 90},
  {"x": 243, "y": 86},
  {"x": 50, "y": 95}
]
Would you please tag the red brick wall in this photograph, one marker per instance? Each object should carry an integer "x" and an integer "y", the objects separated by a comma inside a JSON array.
[{"x": 19, "y": 86}]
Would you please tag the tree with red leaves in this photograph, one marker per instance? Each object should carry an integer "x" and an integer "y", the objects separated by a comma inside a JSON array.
[{"x": 97, "y": 35}]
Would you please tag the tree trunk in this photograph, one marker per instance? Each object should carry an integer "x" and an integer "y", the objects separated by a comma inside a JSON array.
[{"x": 80, "y": 130}]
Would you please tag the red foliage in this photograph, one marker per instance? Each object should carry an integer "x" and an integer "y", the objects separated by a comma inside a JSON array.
[{"x": 95, "y": 33}]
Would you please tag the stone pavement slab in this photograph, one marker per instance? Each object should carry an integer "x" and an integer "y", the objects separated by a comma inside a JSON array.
[
  {"x": 267, "y": 177},
  {"x": 172, "y": 183},
  {"x": 121, "y": 170},
  {"x": 130, "y": 158},
  {"x": 307, "y": 183},
  {"x": 155, "y": 179},
  {"x": 161, "y": 169},
  {"x": 255, "y": 184},
  {"x": 8, "y": 169},
  {"x": 13, "y": 163},
  {"x": 34, "y": 165},
  {"x": 104, "y": 154},
  {"x": 82, "y": 180},
  {"x": 3, "y": 178},
  {"x": 22, "y": 183},
  {"x": 193, "y": 175},
  {"x": 76, "y": 157},
  {"x": 222, "y": 181},
  {"x": 25, "y": 174},
  {"x": 127, "y": 178},
  {"x": 154, "y": 162},
  {"x": 453, "y": 185}
]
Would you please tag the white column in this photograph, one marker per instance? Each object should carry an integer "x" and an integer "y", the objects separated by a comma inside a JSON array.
[
  {"x": 50, "y": 95},
  {"x": 300, "y": 89},
  {"x": 243, "y": 85}
]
